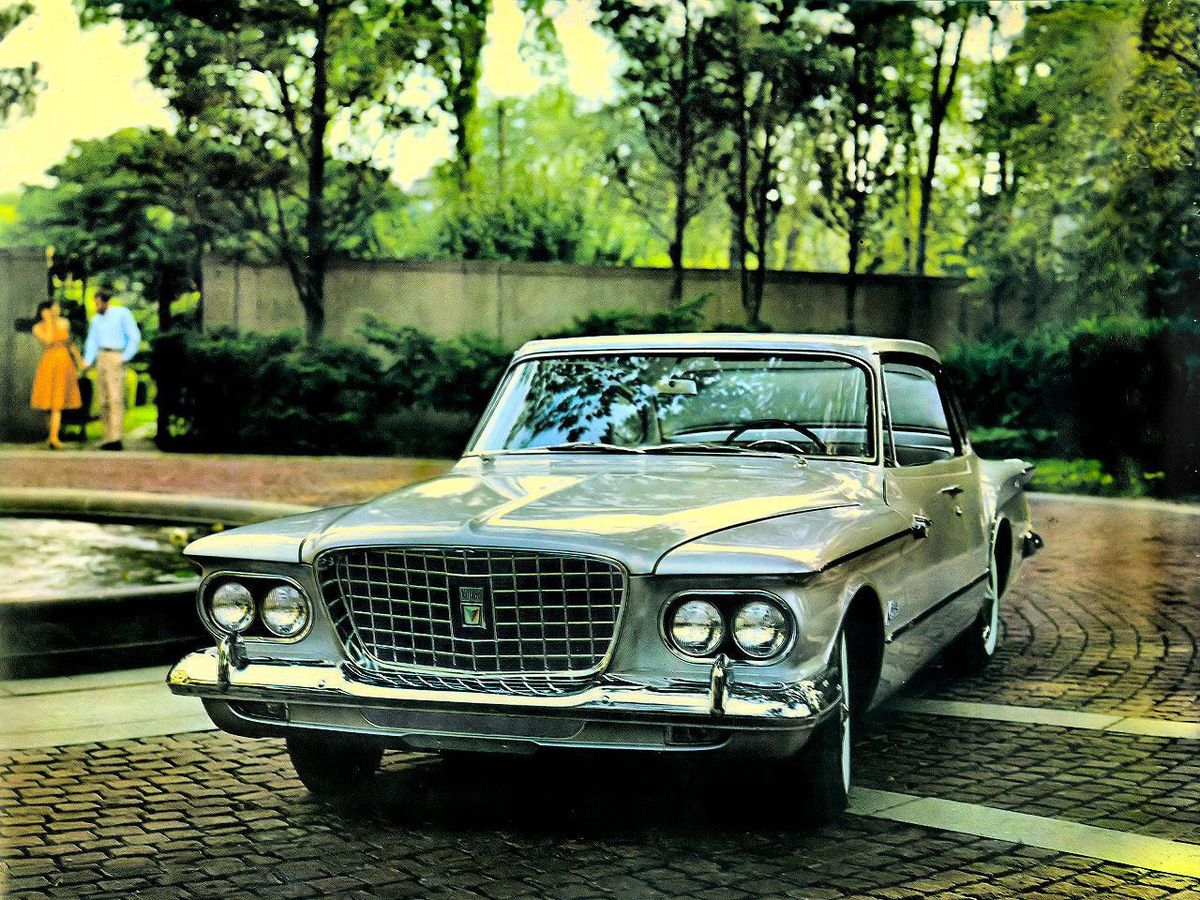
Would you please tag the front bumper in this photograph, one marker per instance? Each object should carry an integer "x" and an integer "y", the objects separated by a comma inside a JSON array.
[{"x": 263, "y": 698}]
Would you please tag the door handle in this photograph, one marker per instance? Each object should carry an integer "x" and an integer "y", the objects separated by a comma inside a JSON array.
[
  {"x": 952, "y": 490},
  {"x": 921, "y": 525}
]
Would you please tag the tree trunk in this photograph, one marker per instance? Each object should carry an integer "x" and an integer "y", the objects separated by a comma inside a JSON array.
[
  {"x": 683, "y": 136},
  {"x": 312, "y": 292},
  {"x": 742, "y": 188},
  {"x": 501, "y": 147},
  {"x": 852, "y": 280},
  {"x": 939, "y": 104}
]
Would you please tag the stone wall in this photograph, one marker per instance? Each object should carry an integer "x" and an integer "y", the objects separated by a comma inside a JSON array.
[
  {"x": 22, "y": 287},
  {"x": 516, "y": 301}
]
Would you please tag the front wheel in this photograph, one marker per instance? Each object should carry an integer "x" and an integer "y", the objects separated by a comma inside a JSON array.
[
  {"x": 825, "y": 759},
  {"x": 332, "y": 768}
]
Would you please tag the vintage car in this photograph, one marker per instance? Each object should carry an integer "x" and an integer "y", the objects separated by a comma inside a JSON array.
[{"x": 703, "y": 542}]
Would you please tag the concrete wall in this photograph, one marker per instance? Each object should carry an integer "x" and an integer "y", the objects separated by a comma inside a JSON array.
[
  {"x": 22, "y": 287},
  {"x": 517, "y": 301}
]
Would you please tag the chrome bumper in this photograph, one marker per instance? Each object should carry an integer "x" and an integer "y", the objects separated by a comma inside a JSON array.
[{"x": 720, "y": 701}]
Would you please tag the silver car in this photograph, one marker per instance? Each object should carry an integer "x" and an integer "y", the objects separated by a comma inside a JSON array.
[{"x": 674, "y": 543}]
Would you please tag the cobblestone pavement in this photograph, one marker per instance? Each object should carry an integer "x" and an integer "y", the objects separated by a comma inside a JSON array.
[
  {"x": 1144, "y": 785},
  {"x": 209, "y": 815},
  {"x": 1106, "y": 619}
]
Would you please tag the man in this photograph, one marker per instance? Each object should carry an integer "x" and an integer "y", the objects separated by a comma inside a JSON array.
[{"x": 113, "y": 339}]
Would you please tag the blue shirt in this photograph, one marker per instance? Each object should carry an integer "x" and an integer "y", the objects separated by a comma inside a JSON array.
[{"x": 112, "y": 330}]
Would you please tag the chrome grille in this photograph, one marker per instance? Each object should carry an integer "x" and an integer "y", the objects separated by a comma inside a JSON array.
[{"x": 536, "y": 612}]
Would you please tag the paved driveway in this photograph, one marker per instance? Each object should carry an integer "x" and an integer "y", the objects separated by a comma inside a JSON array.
[{"x": 1071, "y": 769}]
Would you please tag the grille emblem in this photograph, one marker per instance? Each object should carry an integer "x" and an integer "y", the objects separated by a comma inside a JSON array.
[{"x": 470, "y": 603}]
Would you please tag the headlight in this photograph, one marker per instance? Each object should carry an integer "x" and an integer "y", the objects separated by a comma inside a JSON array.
[
  {"x": 697, "y": 627},
  {"x": 232, "y": 607},
  {"x": 285, "y": 611},
  {"x": 761, "y": 629}
]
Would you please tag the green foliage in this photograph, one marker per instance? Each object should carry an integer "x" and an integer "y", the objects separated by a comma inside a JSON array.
[
  {"x": 221, "y": 391},
  {"x": 457, "y": 375},
  {"x": 1087, "y": 476},
  {"x": 517, "y": 227},
  {"x": 19, "y": 85},
  {"x": 1120, "y": 391},
  {"x": 685, "y": 317}
]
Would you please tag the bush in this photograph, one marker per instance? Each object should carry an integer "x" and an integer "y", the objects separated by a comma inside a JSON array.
[
  {"x": 521, "y": 228},
  {"x": 265, "y": 393},
  {"x": 1119, "y": 391}
]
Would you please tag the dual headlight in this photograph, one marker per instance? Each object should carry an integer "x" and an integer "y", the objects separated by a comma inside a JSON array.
[
  {"x": 700, "y": 626},
  {"x": 283, "y": 609}
]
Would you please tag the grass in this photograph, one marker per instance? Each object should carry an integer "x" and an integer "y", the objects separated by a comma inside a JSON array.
[
  {"x": 138, "y": 417},
  {"x": 1085, "y": 476}
]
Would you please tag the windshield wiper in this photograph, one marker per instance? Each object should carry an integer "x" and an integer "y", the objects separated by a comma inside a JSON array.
[
  {"x": 585, "y": 447},
  {"x": 707, "y": 447}
]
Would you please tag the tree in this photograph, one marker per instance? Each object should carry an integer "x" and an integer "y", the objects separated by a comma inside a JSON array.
[
  {"x": 669, "y": 51},
  {"x": 852, "y": 147},
  {"x": 274, "y": 79},
  {"x": 769, "y": 69},
  {"x": 18, "y": 84},
  {"x": 952, "y": 21}
]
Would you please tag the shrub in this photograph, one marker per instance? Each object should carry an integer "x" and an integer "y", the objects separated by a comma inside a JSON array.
[
  {"x": 517, "y": 227},
  {"x": 1120, "y": 391},
  {"x": 265, "y": 393}
]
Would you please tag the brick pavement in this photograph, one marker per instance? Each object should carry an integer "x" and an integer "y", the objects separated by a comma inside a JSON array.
[
  {"x": 1105, "y": 619},
  {"x": 210, "y": 815},
  {"x": 1144, "y": 785}
]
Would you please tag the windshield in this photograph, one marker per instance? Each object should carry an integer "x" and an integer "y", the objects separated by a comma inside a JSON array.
[{"x": 810, "y": 404}]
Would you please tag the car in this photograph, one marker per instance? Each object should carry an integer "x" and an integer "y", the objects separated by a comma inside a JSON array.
[{"x": 721, "y": 543}]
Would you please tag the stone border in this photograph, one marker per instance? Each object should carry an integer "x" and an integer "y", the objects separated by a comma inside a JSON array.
[
  {"x": 140, "y": 506},
  {"x": 112, "y": 628},
  {"x": 1143, "y": 503}
]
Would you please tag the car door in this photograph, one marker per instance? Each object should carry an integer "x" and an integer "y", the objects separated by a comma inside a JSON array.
[{"x": 932, "y": 478}]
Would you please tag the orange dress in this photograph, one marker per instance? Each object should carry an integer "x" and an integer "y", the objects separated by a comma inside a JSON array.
[{"x": 56, "y": 384}]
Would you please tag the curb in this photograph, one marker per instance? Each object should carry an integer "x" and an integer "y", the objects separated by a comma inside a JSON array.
[
  {"x": 1146, "y": 504},
  {"x": 140, "y": 506}
]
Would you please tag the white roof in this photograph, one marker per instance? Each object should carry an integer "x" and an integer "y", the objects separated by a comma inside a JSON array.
[{"x": 861, "y": 346}]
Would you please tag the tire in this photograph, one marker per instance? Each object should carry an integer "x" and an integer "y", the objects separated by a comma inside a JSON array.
[
  {"x": 825, "y": 760},
  {"x": 976, "y": 646},
  {"x": 332, "y": 768}
]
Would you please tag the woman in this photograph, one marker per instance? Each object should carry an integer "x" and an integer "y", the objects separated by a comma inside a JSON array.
[{"x": 56, "y": 384}]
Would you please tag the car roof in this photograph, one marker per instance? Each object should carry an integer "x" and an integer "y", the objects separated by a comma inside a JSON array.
[{"x": 855, "y": 345}]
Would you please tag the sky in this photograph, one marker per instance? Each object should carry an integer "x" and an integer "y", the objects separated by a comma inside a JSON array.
[{"x": 96, "y": 84}]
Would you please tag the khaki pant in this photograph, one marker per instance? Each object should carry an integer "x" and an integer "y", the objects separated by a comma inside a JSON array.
[{"x": 110, "y": 381}]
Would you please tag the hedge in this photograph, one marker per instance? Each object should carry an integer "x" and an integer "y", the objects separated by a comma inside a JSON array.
[
  {"x": 405, "y": 393},
  {"x": 1123, "y": 392}
]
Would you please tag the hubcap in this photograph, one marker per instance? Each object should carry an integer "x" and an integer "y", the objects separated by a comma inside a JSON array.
[
  {"x": 844, "y": 710},
  {"x": 991, "y": 628}
]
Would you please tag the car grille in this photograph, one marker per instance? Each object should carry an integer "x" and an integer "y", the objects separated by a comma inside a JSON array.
[{"x": 473, "y": 610}]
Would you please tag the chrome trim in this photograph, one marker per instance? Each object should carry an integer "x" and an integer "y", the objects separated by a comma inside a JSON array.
[
  {"x": 718, "y": 685},
  {"x": 799, "y": 705},
  {"x": 382, "y": 667},
  {"x": 770, "y": 597},
  {"x": 218, "y": 632}
]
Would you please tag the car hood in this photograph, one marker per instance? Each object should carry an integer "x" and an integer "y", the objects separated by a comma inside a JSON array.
[{"x": 634, "y": 511}]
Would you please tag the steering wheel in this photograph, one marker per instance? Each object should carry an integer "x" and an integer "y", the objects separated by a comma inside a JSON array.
[{"x": 803, "y": 430}]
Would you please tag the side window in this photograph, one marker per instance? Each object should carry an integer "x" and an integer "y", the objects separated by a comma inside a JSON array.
[{"x": 922, "y": 430}]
